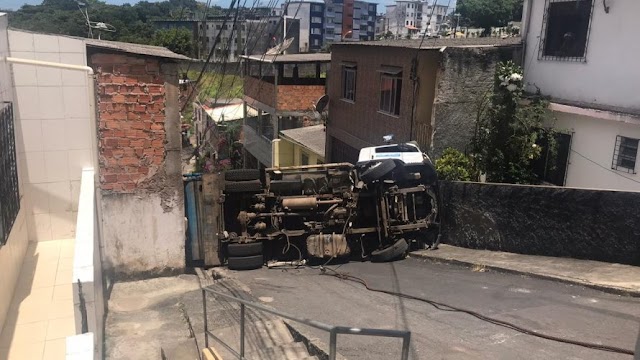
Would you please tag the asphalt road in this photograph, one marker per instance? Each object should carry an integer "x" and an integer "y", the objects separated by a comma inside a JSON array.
[{"x": 553, "y": 308}]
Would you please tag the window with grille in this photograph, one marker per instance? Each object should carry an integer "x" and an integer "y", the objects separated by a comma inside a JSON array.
[
  {"x": 625, "y": 154},
  {"x": 390, "y": 91},
  {"x": 349, "y": 82},
  {"x": 565, "y": 30},
  {"x": 9, "y": 192}
]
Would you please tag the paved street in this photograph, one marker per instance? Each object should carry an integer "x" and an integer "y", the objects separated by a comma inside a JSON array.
[{"x": 554, "y": 308}]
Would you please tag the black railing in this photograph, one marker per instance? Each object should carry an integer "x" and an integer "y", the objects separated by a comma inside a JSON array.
[{"x": 9, "y": 192}]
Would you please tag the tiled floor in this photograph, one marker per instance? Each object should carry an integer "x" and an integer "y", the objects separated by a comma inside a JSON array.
[{"x": 41, "y": 313}]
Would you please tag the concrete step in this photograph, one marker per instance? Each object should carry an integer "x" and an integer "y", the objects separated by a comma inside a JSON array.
[{"x": 292, "y": 351}]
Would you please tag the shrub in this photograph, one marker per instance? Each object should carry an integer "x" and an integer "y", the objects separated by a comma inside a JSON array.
[{"x": 453, "y": 166}]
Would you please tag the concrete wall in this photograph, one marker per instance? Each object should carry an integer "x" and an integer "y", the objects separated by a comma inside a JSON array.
[
  {"x": 466, "y": 75},
  {"x": 537, "y": 220},
  {"x": 608, "y": 76},
  {"x": 592, "y": 146},
  {"x": 12, "y": 253},
  {"x": 142, "y": 197},
  {"x": 302, "y": 12},
  {"x": 54, "y": 131}
]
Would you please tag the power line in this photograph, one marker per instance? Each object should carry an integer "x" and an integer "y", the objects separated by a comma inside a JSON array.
[{"x": 605, "y": 168}]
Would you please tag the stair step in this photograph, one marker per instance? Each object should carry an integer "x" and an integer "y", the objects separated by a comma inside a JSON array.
[{"x": 291, "y": 351}]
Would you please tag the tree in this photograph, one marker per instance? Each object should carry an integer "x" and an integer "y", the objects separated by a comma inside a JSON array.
[
  {"x": 489, "y": 13},
  {"x": 509, "y": 130},
  {"x": 178, "y": 40}
]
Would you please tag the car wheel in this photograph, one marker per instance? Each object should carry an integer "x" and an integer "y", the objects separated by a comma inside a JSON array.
[
  {"x": 247, "y": 249},
  {"x": 242, "y": 186},
  {"x": 245, "y": 262},
  {"x": 391, "y": 253},
  {"x": 376, "y": 171}
]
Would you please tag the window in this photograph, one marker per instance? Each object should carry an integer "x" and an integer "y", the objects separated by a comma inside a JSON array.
[
  {"x": 9, "y": 192},
  {"x": 316, "y": 42},
  {"x": 565, "y": 30},
  {"x": 316, "y": 20},
  {"x": 316, "y": 31},
  {"x": 349, "y": 82},
  {"x": 316, "y": 8},
  {"x": 625, "y": 154},
  {"x": 407, "y": 22},
  {"x": 390, "y": 89},
  {"x": 218, "y": 27},
  {"x": 304, "y": 158}
]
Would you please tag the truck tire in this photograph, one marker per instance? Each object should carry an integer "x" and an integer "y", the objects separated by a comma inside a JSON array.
[
  {"x": 248, "y": 249},
  {"x": 393, "y": 252},
  {"x": 245, "y": 262},
  {"x": 377, "y": 171},
  {"x": 286, "y": 187},
  {"x": 242, "y": 175},
  {"x": 243, "y": 186}
]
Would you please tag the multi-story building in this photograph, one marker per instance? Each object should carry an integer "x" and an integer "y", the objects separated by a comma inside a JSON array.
[
  {"x": 404, "y": 18},
  {"x": 434, "y": 16},
  {"x": 581, "y": 54},
  {"x": 311, "y": 17}
]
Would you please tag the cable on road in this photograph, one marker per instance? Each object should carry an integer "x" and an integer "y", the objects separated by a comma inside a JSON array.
[{"x": 446, "y": 307}]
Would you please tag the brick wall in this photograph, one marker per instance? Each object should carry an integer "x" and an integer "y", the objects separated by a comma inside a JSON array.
[
  {"x": 262, "y": 91},
  {"x": 298, "y": 97},
  {"x": 132, "y": 134}
]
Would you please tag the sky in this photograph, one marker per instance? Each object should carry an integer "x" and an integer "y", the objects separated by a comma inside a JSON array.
[{"x": 15, "y": 4}]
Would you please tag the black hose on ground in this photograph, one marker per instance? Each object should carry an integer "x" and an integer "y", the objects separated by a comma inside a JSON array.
[{"x": 445, "y": 307}]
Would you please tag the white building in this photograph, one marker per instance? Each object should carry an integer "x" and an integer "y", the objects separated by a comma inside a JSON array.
[
  {"x": 414, "y": 18},
  {"x": 584, "y": 54},
  {"x": 434, "y": 16}
]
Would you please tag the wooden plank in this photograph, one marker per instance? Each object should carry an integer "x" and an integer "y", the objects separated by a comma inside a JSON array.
[{"x": 211, "y": 216}]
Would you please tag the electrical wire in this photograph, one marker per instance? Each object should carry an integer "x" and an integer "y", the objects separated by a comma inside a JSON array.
[
  {"x": 506, "y": 324},
  {"x": 603, "y": 167}
]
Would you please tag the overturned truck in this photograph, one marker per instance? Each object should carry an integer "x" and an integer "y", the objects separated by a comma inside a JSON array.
[{"x": 376, "y": 209}]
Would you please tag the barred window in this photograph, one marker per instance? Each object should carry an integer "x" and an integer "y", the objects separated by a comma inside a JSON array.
[
  {"x": 9, "y": 192},
  {"x": 349, "y": 82},
  {"x": 565, "y": 30},
  {"x": 625, "y": 154},
  {"x": 390, "y": 91}
]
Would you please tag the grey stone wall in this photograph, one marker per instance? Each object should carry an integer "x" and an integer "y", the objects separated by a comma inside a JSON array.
[
  {"x": 565, "y": 222},
  {"x": 466, "y": 75}
]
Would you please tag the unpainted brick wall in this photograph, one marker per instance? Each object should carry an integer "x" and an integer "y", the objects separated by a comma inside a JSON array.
[
  {"x": 132, "y": 135},
  {"x": 298, "y": 97},
  {"x": 262, "y": 91}
]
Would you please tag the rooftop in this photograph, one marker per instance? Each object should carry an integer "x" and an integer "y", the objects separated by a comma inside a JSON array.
[
  {"x": 311, "y": 137},
  {"x": 438, "y": 43},
  {"x": 150, "y": 50},
  {"x": 291, "y": 58},
  {"x": 230, "y": 112}
]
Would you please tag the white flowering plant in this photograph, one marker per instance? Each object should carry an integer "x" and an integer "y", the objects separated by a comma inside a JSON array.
[{"x": 510, "y": 131}]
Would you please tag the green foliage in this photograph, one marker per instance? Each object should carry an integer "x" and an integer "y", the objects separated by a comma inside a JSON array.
[
  {"x": 509, "y": 129},
  {"x": 454, "y": 166},
  {"x": 216, "y": 85},
  {"x": 133, "y": 23},
  {"x": 178, "y": 40},
  {"x": 489, "y": 13}
]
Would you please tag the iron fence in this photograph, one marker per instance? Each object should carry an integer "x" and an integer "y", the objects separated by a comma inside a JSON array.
[
  {"x": 331, "y": 329},
  {"x": 9, "y": 192}
]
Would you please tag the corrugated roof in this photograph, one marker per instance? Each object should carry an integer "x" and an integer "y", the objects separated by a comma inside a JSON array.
[
  {"x": 149, "y": 50},
  {"x": 311, "y": 137},
  {"x": 291, "y": 58},
  {"x": 437, "y": 43}
]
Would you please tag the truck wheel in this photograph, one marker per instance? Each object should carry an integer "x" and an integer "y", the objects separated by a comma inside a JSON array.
[
  {"x": 289, "y": 187},
  {"x": 393, "y": 252},
  {"x": 242, "y": 175},
  {"x": 248, "y": 249},
  {"x": 376, "y": 171},
  {"x": 245, "y": 262},
  {"x": 242, "y": 186}
]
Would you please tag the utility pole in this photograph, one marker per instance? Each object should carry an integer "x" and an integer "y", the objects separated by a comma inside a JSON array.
[{"x": 455, "y": 30}]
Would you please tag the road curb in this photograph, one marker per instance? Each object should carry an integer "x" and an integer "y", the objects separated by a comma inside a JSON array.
[
  {"x": 315, "y": 346},
  {"x": 468, "y": 264}
]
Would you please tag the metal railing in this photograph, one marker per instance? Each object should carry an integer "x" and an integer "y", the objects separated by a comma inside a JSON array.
[
  {"x": 9, "y": 192},
  {"x": 331, "y": 329}
]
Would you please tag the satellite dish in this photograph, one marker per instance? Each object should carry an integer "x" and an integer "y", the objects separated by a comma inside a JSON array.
[
  {"x": 322, "y": 103},
  {"x": 280, "y": 48}
]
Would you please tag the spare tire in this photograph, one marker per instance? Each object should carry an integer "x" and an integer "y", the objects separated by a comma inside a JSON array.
[
  {"x": 245, "y": 262},
  {"x": 378, "y": 170},
  {"x": 242, "y": 175},
  {"x": 247, "y": 249},
  {"x": 393, "y": 252},
  {"x": 286, "y": 187},
  {"x": 252, "y": 186}
]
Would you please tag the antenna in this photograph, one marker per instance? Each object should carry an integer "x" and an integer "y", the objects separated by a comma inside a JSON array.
[{"x": 100, "y": 26}]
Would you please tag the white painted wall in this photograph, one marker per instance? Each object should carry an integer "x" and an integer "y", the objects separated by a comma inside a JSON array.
[
  {"x": 610, "y": 74},
  {"x": 54, "y": 131},
  {"x": 12, "y": 253},
  {"x": 595, "y": 139}
]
